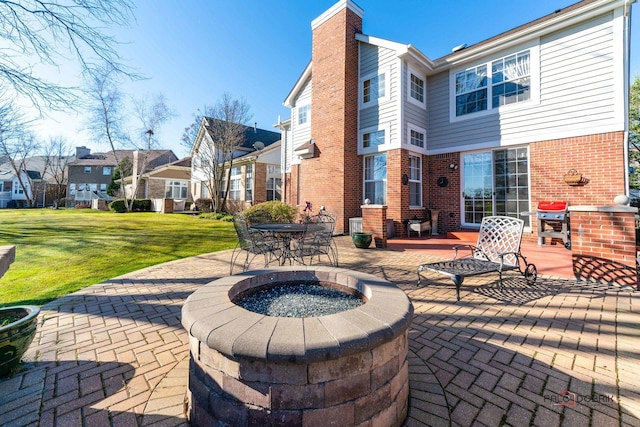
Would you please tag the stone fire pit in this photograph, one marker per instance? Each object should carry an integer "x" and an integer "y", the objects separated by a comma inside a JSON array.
[{"x": 341, "y": 369}]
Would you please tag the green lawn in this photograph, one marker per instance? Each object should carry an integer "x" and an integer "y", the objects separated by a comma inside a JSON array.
[{"x": 58, "y": 252}]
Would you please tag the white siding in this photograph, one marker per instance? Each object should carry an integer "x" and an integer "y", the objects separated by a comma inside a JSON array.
[
  {"x": 300, "y": 134},
  {"x": 376, "y": 59},
  {"x": 577, "y": 95},
  {"x": 413, "y": 113}
]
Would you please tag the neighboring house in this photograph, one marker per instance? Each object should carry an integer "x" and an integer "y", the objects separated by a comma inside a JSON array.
[
  {"x": 491, "y": 128},
  {"x": 37, "y": 175},
  {"x": 12, "y": 194},
  {"x": 255, "y": 175},
  {"x": 90, "y": 174},
  {"x": 170, "y": 181}
]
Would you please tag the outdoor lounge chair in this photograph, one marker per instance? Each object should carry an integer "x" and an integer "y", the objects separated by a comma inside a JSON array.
[{"x": 497, "y": 250}]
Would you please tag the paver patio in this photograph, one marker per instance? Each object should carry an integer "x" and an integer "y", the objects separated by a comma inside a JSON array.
[{"x": 115, "y": 354}]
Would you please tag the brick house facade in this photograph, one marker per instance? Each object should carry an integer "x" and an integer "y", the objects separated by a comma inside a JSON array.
[{"x": 489, "y": 129}]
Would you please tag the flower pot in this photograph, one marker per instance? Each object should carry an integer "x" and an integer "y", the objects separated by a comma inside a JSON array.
[
  {"x": 16, "y": 336},
  {"x": 361, "y": 240}
]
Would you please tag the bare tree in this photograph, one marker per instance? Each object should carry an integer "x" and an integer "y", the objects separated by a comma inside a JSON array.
[
  {"x": 106, "y": 114},
  {"x": 152, "y": 113},
  {"x": 57, "y": 154},
  {"x": 109, "y": 122},
  {"x": 223, "y": 132},
  {"x": 36, "y": 32}
]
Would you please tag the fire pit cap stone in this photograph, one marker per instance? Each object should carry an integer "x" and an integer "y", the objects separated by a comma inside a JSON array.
[{"x": 210, "y": 315}]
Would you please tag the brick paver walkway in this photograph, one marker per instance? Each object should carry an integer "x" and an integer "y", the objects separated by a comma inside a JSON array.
[{"x": 115, "y": 354}]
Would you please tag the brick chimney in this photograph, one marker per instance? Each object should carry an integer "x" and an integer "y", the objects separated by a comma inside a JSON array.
[{"x": 333, "y": 176}]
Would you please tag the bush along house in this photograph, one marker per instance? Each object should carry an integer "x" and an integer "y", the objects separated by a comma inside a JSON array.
[{"x": 382, "y": 132}]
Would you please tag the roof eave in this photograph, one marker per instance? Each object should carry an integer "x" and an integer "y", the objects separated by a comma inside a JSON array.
[{"x": 551, "y": 23}]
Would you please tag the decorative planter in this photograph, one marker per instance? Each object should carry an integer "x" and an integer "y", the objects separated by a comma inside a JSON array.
[
  {"x": 575, "y": 178},
  {"x": 362, "y": 240},
  {"x": 16, "y": 336}
]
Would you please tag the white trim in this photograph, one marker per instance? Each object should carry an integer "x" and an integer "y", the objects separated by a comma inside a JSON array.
[
  {"x": 411, "y": 99},
  {"x": 384, "y": 71},
  {"x": 526, "y": 33},
  {"x": 407, "y": 141},
  {"x": 328, "y": 14},
  {"x": 307, "y": 123},
  {"x": 534, "y": 82},
  {"x": 420, "y": 181}
]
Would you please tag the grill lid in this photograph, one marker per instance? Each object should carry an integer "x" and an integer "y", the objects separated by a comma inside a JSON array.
[{"x": 552, "y": 206}]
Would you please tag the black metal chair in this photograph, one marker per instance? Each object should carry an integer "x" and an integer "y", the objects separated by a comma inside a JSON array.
[
  {"x": 318, "y": 239},
  {"x": 252, "y": 243}
]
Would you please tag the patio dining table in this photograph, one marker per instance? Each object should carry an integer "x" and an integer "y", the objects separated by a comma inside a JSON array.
[{"x": 285, "y": 232}]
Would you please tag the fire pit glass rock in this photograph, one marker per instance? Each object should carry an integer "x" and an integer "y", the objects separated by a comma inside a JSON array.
[{"x": 345, "y": 368}]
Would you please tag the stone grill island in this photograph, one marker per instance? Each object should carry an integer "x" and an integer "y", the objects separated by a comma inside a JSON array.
[{"x": 347, "y": 368}]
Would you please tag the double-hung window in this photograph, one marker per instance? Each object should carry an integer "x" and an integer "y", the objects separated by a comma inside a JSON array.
[
  {"x": 106, "y": 170},
  {"x": 511, "y": 79},
  {"x": 416, "y": 138},
  {"x": 304, "y": 115},
  {"x": 471, "y": 90},
  {"x": 504, "y": 81},
  {"x": 87, "y": 169},
  {"x": 274, "y": 189},
  {"x": 375, "y": 178},
  {"x": 415, "y": 181},
  {"x": 234, "y": 185},
  {"x": 248, "y": 183},
  {"x": 373, "y": 139},
  {"x": 374, "y": 89},
  {"x": 416, "y": 88}
]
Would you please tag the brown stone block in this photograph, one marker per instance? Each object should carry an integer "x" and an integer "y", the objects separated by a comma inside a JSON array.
[
  {"x": 401, "y": 380},
  {"x": 387, "y": 351},
  {"x": 342, "y": 415},
  {"x": 219, "y": 361},
  {"x": 340, "y": 368},
  {"x": 387, "y": 417},
  {"x": 253, "y": 393},
  {"x": 282, "y": 373},
  {"x": 384, "y": 373},
  {"x": 346, "y": 389},
  {"x": 228, "y": 411},
  {"x": 261, "y": 418},
  {"x": 368, "y": 406},
  {"x": 286, "y": 396}
]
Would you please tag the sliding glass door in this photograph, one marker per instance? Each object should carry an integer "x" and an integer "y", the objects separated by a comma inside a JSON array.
[{"x": 495, "y": 183}]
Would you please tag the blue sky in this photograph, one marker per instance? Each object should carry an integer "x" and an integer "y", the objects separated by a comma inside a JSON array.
[{"x": 193, "y": 51}]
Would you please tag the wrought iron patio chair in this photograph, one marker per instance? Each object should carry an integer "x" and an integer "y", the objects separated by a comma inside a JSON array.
[
  {"x": 497, "y": 250},
  {"x": 318, "y": 239},
  {"x": 259, "y": 217},
  {"x": 252, "y": 243}
]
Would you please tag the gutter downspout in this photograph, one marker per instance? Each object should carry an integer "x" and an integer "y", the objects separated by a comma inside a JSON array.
[{"x": 626, "y": 83}]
